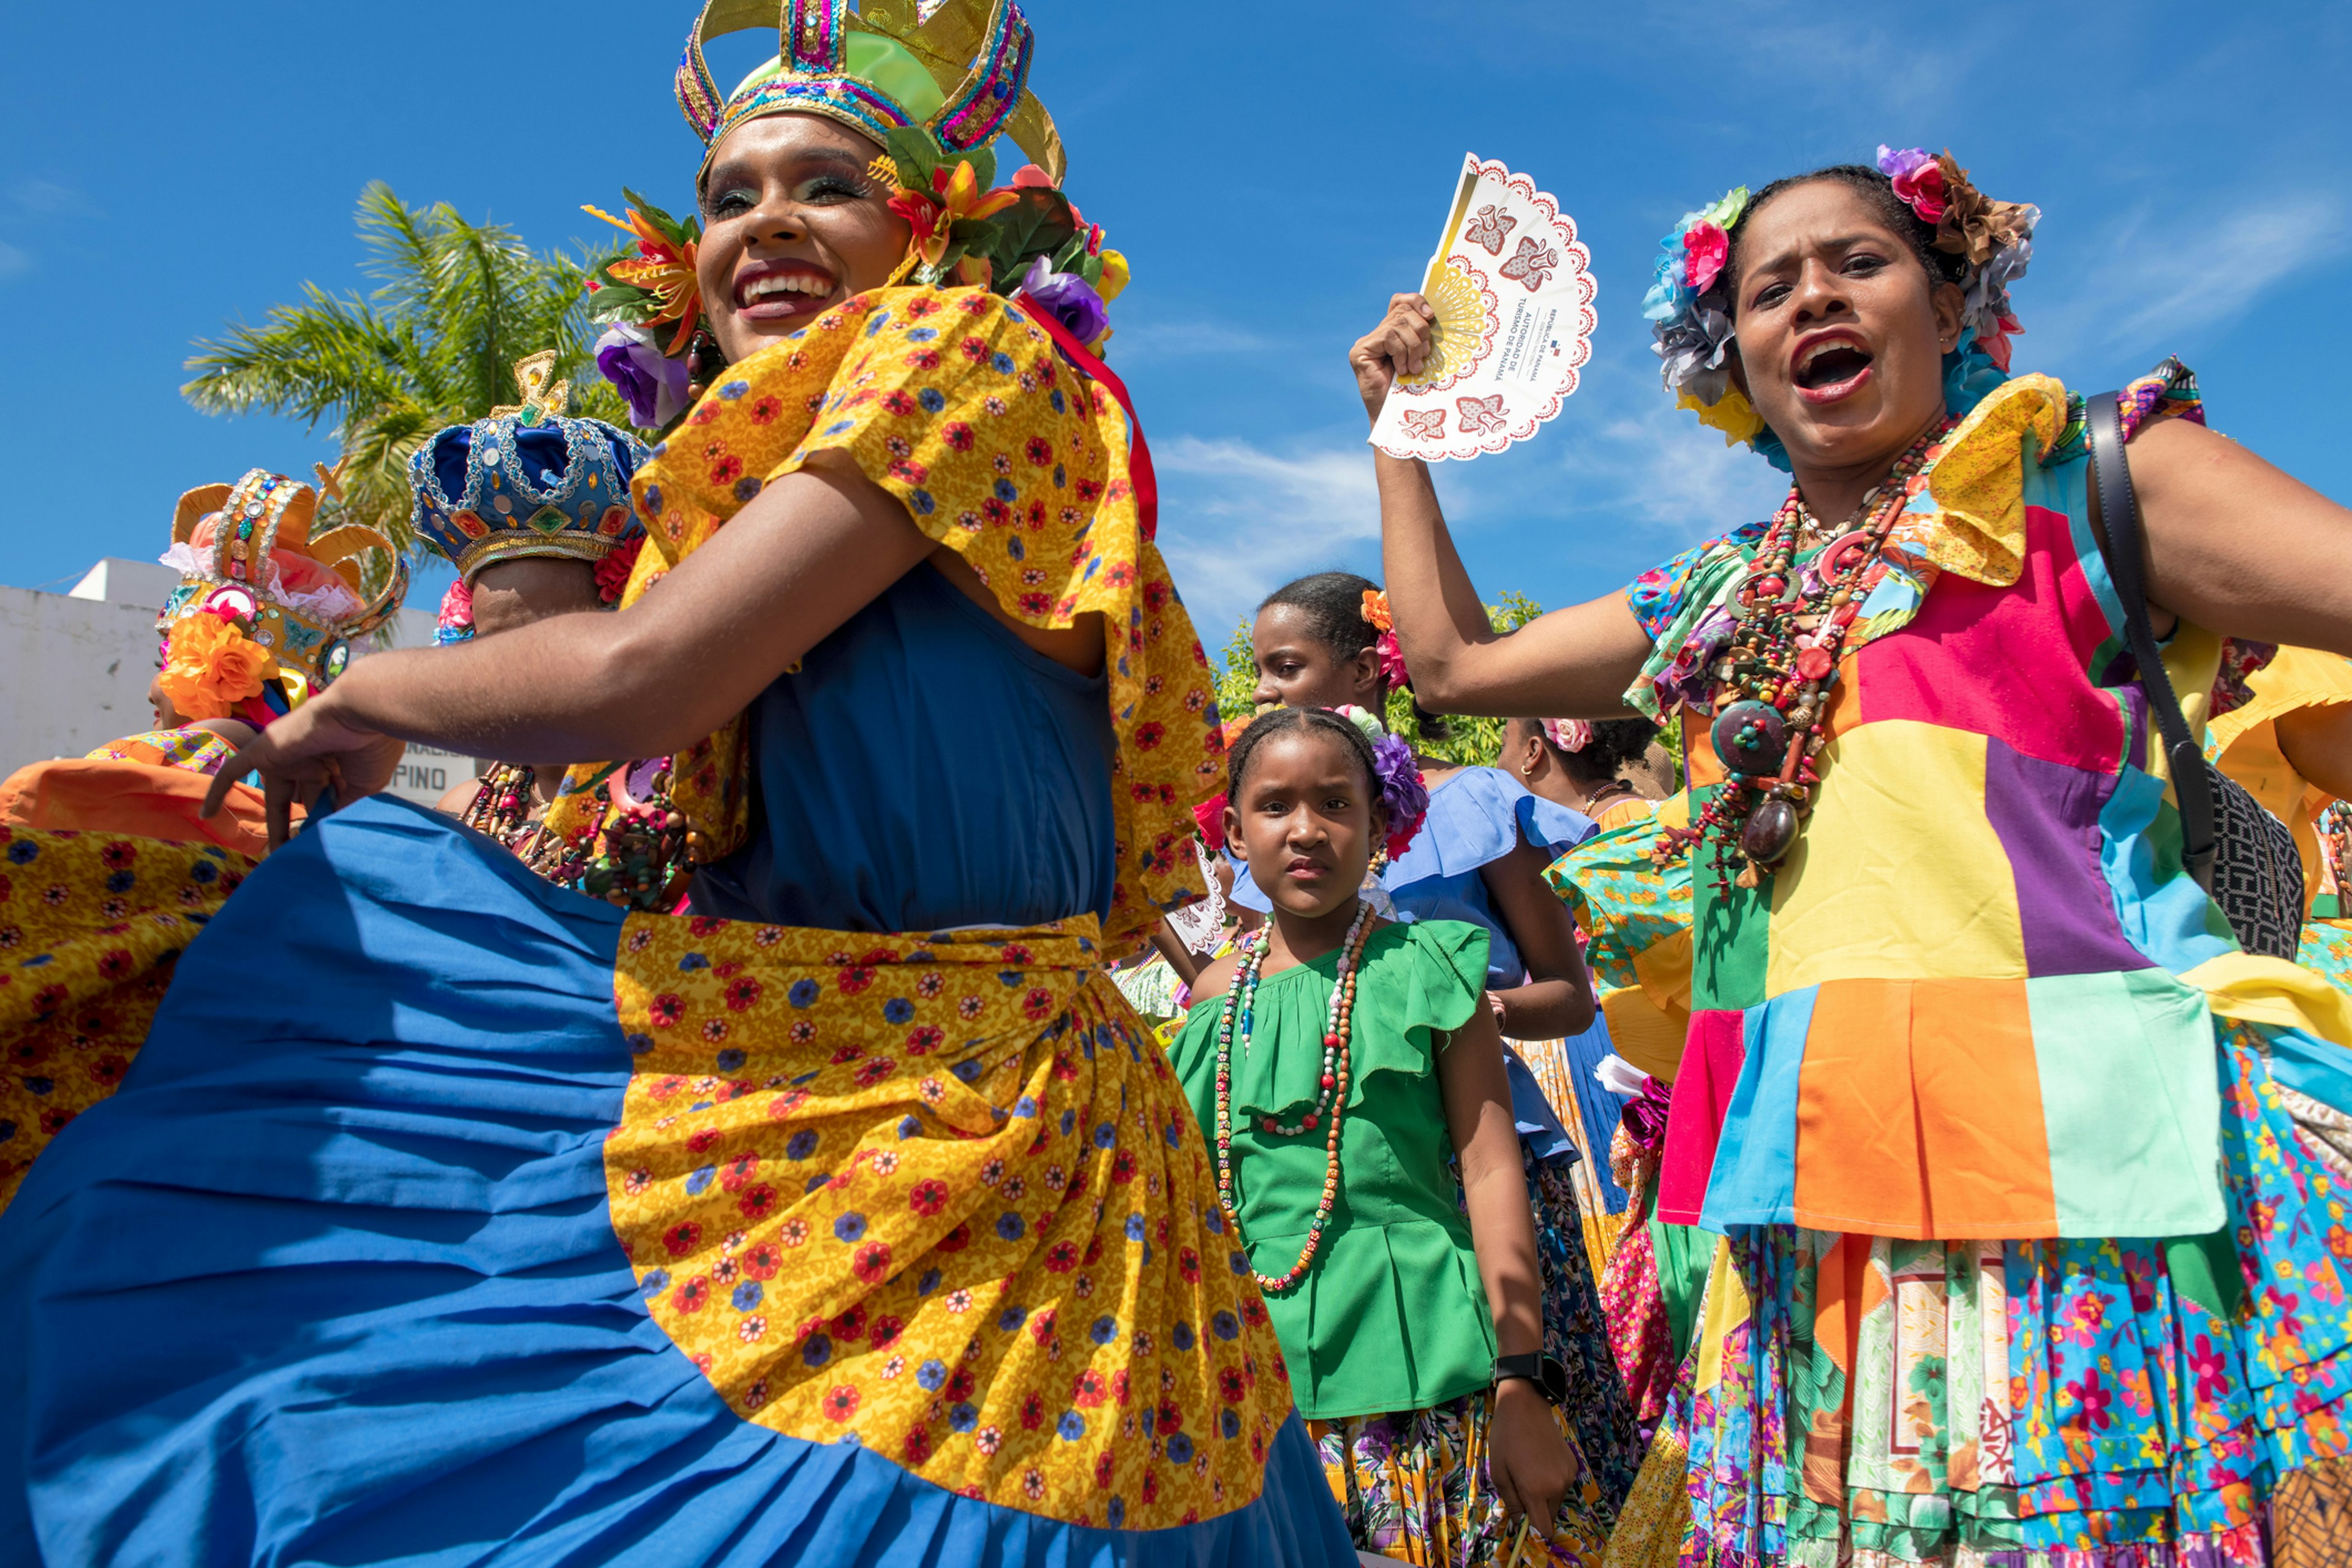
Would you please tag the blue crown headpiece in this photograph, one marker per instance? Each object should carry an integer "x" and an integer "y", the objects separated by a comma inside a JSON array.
[{"x": 526, "y": 481}]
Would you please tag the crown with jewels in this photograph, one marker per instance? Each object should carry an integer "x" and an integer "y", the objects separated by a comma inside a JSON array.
[
  {"x": 525, "y": 481},
  {"x": 957, "y": 68},
  {"x": 265, "y": 614}
]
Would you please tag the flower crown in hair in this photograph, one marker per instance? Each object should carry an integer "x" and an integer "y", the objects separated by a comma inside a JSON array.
[
  {"x": 1377, "y": 616},
  {"x": 1404, "y": 795},
  {"x": 1691, "y": 319}
]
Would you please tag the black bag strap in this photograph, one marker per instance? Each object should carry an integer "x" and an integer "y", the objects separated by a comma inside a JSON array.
[{"x": 2192, "y": 787}]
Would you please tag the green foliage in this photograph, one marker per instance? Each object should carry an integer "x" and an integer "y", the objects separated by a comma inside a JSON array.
[
  {"x": 432, "y": 344},
  {"x": 1469, "y": 742},
  {"x": 1237, "y": 674}
]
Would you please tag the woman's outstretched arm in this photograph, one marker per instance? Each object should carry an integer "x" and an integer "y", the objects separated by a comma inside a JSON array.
[
  {"x": 799, "y": 560},
  {"x": 1574, "y": 663},
  {"x": 2238, "y": 545}
]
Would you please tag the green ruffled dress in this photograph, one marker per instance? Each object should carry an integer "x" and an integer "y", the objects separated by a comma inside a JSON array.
[{"x": 1391, "y": 1316}]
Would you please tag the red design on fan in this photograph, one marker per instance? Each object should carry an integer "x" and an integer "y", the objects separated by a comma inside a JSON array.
[
  {"x": 1490, "y": 228},
  {"x": 1424, "y": 424},
  {"x": 1532, "y": 265},
  {"x": 1480, "y": 414}
]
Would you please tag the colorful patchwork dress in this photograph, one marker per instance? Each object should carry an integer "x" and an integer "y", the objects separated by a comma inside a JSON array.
[
  {"x": 2031, "y": 1258},
  {"x": 1389, "y": 1338},
  {"x": 856, "y": 1221}
]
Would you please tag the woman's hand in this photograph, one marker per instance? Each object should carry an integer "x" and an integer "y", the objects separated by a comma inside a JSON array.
[
  {"x": 317, "y": 745},
  {"x": 1400, "y": 345},
  {"x": 1529, "y": 1462}
]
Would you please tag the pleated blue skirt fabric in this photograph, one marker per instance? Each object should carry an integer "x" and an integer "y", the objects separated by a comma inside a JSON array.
[{"x": 332, "y": 1279}]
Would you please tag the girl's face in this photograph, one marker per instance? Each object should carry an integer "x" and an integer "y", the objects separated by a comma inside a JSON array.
[
  {"x": 1842, "y": 334},
  {"x": 793, "y": 226},
  {"x": 1306, "y": 822},
  {"x": 1295, "y": 668}
]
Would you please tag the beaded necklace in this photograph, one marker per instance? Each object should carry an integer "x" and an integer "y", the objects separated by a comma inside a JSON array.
[
  {"x": 633, "y": 860},
  {"x": 1330, "y": 1103},
  {"x": 1773, "y": 677}
]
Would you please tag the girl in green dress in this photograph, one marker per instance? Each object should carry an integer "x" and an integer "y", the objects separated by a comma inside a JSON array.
[{"x": 1340, "y": 1064}]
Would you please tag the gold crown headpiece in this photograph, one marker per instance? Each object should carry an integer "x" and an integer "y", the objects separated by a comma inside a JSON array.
[
  {"x": 959, "y": 71},
  {"x": 251, "y": 570}
]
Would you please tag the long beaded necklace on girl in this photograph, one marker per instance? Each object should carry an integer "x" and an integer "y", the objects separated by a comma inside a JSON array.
[
  {"x": 1773, "y": 678},
  {"x": 1332, "y": 1097}
]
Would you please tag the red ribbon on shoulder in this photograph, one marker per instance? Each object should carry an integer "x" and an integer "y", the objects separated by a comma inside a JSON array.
[{"x": 1139, "y": 472}]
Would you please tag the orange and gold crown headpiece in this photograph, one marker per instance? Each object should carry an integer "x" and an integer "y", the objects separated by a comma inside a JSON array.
[
  {"x": 266, "y": 601},
  {"x": 959, "y": 71}
]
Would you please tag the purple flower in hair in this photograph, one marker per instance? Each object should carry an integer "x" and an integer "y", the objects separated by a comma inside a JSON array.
[
  {"x": 1072, "y": 300},
  {"x": 653, "y": 383},
  {"x": 1404, "y": 795}
]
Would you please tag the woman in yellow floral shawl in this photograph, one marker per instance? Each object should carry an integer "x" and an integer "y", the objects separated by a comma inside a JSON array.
[{"x": 853, "y": 1219}]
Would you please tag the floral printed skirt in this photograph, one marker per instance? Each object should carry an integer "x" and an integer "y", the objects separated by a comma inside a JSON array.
[
  {"x": 1414, "y": 1488},
  {"x": 446, "y": 1214},
  {"x": 1599, "y": 1417},
  {"x": 2055, "y": 1404}
]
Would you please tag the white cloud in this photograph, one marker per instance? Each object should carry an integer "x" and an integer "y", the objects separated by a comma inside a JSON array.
[
  {"x": 2188, "y": 276},
  {"x": 1184, "y": 340},
  {"x": 1239, "y": 521},
  {"x": 12, "y": 261}
]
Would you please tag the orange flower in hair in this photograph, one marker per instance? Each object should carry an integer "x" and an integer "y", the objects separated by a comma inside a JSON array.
[{"x": 211, "y": 667}]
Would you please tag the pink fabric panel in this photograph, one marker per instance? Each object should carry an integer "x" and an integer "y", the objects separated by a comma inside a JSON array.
[
  {"x": 2005, "y": 662},
  {"x": 1712, "y": 1054}
]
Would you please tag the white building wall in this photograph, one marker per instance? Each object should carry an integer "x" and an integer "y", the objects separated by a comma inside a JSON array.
[{"x": 75, "y": 667}]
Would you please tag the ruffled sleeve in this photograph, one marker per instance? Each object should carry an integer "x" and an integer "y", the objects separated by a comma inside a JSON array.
[
  {"x": 958, "y": 406},
  {"x": 1420, "y": 983},
  {"x": 1476, "y": 817}
]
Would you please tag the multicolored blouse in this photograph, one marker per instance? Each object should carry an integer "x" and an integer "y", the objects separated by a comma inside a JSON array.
[
  {"x": 1915, "y": 1026},
  {"x": 956, "y": 402},
  {"x": 1635, "y": 915},
  {"x": 192, "y": 749}
]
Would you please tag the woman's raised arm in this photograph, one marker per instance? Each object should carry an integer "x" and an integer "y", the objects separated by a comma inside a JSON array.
[{"x": 1575, "y": 663}]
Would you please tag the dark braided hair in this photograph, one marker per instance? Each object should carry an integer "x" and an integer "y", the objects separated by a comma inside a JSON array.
[
  {"x": 1296, "y": 720},
  {"x": 1616, "y": 745},
  {"x": 1333, "y": 603},
  {"x": 1942, "y": 267}
]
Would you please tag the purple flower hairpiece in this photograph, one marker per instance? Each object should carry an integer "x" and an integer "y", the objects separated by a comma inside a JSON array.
[
  {"x": 652, "y": 382},
  {"x": 1404, "y": 795}
]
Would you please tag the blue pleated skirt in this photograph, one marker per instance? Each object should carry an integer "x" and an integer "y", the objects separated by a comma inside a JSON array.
[{"x": 332, "y": 1279}]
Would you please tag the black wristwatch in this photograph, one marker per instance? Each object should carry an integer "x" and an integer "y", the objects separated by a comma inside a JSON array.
[{"x": 1545, "y": 1372}]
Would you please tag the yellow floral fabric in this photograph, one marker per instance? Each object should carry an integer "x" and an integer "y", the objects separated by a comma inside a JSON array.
[
  {"x": 960, "y": 406},
  {"x": 2244, "y": 743},
  {"x": 1636, "y": 918},
  {"x": 90, "y": 925},
  {"x": 943, "y": 1196},
  {"x": 1979, "y": 483}
]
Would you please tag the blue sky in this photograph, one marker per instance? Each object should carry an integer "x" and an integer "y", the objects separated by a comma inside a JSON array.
[{"x": 1273, "y": 183}]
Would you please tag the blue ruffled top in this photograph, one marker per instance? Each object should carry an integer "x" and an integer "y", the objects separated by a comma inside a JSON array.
[{"x": 922, "y": 769}]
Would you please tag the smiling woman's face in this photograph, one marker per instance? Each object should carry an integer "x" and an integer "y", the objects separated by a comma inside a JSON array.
[
  {"x": 792, "y": 224},
  {"x": 1841, "y": 335}
]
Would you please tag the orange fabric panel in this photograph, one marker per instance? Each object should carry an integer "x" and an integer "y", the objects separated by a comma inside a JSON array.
[
  {"x": 137, "y": 799},
  {"x": 1920, "y": 1101}
]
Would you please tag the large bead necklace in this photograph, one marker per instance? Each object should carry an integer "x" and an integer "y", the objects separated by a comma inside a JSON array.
[
  {"x": 633, "y": 859},
  {"x": 1773, "y": 678},
  {"x": 1331, "y": 1099}
]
